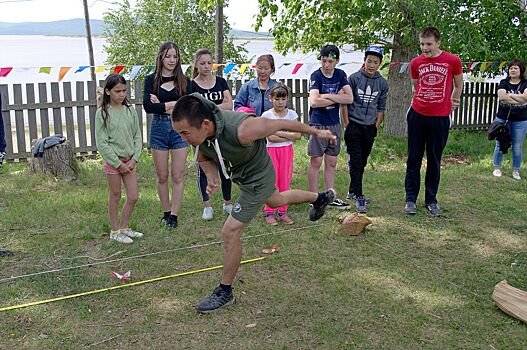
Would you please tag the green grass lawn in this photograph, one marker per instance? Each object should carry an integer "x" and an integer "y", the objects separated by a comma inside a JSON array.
[{"x": 408, "y": 283}]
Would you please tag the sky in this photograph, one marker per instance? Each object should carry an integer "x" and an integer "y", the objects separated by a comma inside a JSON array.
[{"x": 240, "y": 13}]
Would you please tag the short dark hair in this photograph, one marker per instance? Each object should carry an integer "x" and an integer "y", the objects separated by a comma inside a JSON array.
[
  {"x": 430, "y": 31},
  {"x": 280, "y": 90},
  {"x": 330, "y": 51},
  {"x": 193, "y": 110},
  {"x": 519, "y": 64}
]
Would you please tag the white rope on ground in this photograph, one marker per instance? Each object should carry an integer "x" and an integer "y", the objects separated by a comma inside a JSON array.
[
  {"x": 12, "y": 278},
  {"x": 7, "y": 279}
]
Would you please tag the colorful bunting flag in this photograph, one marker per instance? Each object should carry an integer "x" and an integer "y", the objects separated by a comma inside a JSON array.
[
  {"x": 385, "y": 65},
  {"x": 63, "y": 71},
  {"x": 484, "y": 66},
  {"x": 297, "y": 67},
  {"x": 502, "y": 64},
  {"x": 135, "y": 71},
  {"x": 118, "y": 69},
  {"x": 4, "y": 71},
  {"x": 81, "y": 68},
  {"x": 243, "y": 68},
  {"x": 100, "y": 69},
  {"x": 228, "y": 68},
  {"x": 149, "y": 69},
  {"x": 184, "y": 68},
  {"x": 45, "y": 70}
]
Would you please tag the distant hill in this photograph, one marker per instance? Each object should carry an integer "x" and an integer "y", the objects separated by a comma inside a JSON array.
[
  {"x": 70, "y": 27},
  {"x": 75, "y": 27}
]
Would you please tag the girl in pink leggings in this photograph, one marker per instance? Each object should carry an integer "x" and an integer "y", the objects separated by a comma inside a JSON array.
[{"x": 280, "y": 148}]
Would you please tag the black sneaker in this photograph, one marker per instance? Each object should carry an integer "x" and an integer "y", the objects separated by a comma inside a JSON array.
[
  {"x": 218, "y": 299},
  {"x": 410, "y": 208},
  {"x": 5, "y": 253},
  {"x": 316, "y": 212},
  {"x": 434, "y": 209},
  {"x": 339, "y": 204},
  {"x": 360, "y": 204},
  {"x": 171, "y": 221}
]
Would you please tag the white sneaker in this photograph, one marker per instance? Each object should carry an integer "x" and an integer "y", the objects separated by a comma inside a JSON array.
[
  {"x": 497, "y": 172},
  {"x": 207, "y": 213},
  {"x": 516, "y": 175},
  {"x": 227, "y": 208},
  {"x": 121, "y": 238},
  {"x": 131, "y": 233}
]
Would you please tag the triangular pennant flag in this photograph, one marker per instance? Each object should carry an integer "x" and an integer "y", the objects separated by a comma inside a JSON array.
[
  {"x": 484, "y": 66},
  {"x": 228, "y": 68},
  {"x": 149, "y": 69},
  {"x": 469, "y": 65},
  {"x": 4, "y": 71},
  {"x": 474, "y": 65},
  {"x": 216, "y": 66},
  {"x": 385, "y": 65},
  {"x": 502, "y": 64},
  {"x": 243, "y": 68},
  {"x": 404, "y": 67},
  {"x": 135, "y": 71},
  {"x": 118, "y": 69},
  {"x": 45, "y": 70},
  {"x": 297, "y": 67},
  {"x": 81, "y": 68},
  {"x": 100, "y": 69},
  {"x": 284, "y": 64},
  {"x": 184, "y": 68},
  {"x": 494, "y": 65},
  {"x": 393, "y": 64},
  {"x": 63, "y": 71}
]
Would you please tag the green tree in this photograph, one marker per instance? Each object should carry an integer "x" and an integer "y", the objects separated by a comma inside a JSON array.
[
  {"x": 134, "y": 34},
  {"x": 475, "y": 30}
]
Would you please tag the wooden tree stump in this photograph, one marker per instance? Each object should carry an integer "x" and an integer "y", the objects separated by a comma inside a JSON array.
[{"x": 58, "y": 160}]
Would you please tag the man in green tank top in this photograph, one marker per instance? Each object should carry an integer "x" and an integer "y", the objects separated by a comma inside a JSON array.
[{"x": 237, "y": 142}]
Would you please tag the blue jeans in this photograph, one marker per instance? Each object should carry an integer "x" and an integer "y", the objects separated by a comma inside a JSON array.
[{"x": 518, "y": 131}]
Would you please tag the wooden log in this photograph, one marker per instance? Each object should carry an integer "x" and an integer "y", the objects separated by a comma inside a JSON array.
[
  {"x": 510, "y": 300},
  {"x": 59, "y": 160}
]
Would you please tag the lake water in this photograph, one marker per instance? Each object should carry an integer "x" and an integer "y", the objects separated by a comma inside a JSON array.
[{"x": 27, "y": 53}]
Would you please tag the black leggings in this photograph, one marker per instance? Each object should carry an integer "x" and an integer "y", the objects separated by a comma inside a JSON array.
[{"x": 226, "y": 185}]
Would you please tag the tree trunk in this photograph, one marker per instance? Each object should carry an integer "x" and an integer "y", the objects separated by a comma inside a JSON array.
[
  {"x": 58, "y": 160},
  {"x": 400, "y": 94}
]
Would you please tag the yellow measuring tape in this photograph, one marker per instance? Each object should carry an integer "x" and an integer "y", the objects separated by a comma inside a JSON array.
[{"x": 121, "y": 286}]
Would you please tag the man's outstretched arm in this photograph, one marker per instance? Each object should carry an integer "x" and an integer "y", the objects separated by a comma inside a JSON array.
[{"x": 252, "y": 129}]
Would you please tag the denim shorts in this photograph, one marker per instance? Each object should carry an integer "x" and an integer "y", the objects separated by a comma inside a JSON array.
[{"x": 162, "y": 136}]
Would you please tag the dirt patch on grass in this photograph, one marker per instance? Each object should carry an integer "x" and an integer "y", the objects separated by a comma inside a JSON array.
[{"x": 459, "y": 159}]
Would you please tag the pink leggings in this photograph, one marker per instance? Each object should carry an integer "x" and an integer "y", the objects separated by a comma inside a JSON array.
[{"x": 282, "y": 158}]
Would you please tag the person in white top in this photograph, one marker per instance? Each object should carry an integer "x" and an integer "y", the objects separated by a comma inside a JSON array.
[{"x": 280, "y": 148}]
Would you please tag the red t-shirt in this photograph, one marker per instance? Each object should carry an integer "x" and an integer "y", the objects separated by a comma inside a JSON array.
[{"x": 434, "y": 83}]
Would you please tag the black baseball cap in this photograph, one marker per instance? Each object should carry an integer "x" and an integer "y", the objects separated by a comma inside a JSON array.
[{"x": 330, "y": 51}]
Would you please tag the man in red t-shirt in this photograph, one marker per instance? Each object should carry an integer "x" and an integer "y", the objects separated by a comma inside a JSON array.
[{"x": 432, "y": 74}]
